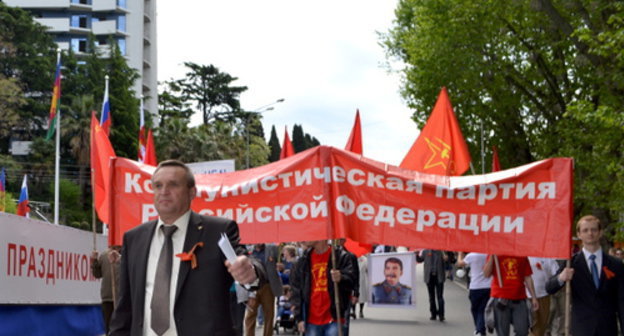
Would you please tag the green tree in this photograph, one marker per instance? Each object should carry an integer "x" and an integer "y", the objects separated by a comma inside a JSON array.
[
  {"x": 171, "y": 104},
  {"x": 27, "y": 60},
  {"x": 73, "y": 213},
  {"x": 543, "y": 77},
  {"x": 212, "y": 92},
  {"x": 274, "y": 145},
  {"x": 301, "y": 140},
  {"x": 76, "y": 127}
]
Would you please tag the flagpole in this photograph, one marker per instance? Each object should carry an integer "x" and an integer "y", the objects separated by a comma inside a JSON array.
[
  {"x": 336, "y": 288},
  {"x": 57, "y": 163},
  {"x": 482, "y": 148}
]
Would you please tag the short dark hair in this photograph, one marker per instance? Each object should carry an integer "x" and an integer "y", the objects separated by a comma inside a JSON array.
[
  {"x": 190, "y": 178},
  {"x": 394, "y": 260}
]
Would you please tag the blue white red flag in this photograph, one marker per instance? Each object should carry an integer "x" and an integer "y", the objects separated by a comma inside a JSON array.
[{"x": 22, "y": 205}]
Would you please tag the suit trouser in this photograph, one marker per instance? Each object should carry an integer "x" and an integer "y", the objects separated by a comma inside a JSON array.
[
  {"x": 540, "y": 317},
  {"x": 436, "y": 290},
  {"x": 264, "y": 297},
  {"x": 107, "y": 313},
  {"x": 515, "y": 312}
]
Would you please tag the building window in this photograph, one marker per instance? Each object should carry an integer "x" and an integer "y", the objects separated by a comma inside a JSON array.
[
  {"x": 79, "y": 21},
  {"x": 121, "y": 43},
  {"x": 121, "y": 3},
  {"x": 82, "y": 2},
  {"x": 121, "y": 23},
  {"x": 79, "y": 45}
]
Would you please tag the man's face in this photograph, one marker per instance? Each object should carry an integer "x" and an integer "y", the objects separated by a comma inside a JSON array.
[
  {"x": 589, "y": 232},
  {"x": 393, "y": 272},
  {"x": 172, "y": 196}
]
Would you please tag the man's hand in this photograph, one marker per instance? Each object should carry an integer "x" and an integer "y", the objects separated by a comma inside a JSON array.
[
  {"x": 242, "y": 270},
  {"x": 566, "y": 274},
  {"x": 301, "y": 326},
  {"x": 335, "y": 275},
  {"x": 534, "y": 304},
  {"x": 113, "y": 256},
  {"x": 354, "y": 299}
]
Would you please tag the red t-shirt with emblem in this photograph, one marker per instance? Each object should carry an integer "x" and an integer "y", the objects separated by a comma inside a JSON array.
[
  {"x": 320, "y": 303},
  {"x": 513, "y": 270}
]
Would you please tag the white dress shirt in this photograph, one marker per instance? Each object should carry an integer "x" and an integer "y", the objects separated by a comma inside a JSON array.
[
  {"x": 598, "y": 260},
  {"x": 158, "y": 239},
  {"x": 543, "y": 269}
]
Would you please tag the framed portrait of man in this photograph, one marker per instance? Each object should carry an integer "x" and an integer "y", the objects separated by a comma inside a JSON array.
[{"x": 392, "y": 277}]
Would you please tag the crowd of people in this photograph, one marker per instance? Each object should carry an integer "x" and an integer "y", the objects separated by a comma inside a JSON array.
[{"x": 317, "y": 286}]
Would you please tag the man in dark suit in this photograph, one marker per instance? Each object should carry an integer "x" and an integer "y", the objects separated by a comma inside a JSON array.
[
  {"x": 165, "y": 295},
  {"x": 597, "y": 281},
  {"x": 434, "y": 274}
]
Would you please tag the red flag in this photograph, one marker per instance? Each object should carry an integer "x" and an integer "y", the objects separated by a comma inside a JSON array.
[
  {"x": 495, "y": 163},
  {"x": 440, "y": 148},
  {"x": 101, "y": 152},
  {"x": 287, "y": 147},
  {"x": 357, "y": 248},
  {"x": 354, "y": 144},
  {"x": 150, "y": 150}
]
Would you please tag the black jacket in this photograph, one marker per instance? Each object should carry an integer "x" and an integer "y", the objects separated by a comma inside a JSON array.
[
  {"x": 300, "y": 284},
  {"x": 594, "y": 311}
]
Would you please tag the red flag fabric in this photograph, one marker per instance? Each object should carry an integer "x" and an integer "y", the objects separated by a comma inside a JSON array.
[
  {"x": 357, "y": 248},
  {"x": 495, "y": 163},
  {"x": 328, "y": 193},
  {"x": 287, "y": 147},
  {"x": 150, "y": 150},
  {"x": 354, "y": 144},
  {"x": 101, "y": 153},
  {"x": 440, "y": 148}
]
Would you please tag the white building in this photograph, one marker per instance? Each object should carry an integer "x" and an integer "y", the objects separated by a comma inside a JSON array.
[{"x": 131, "y": 23}]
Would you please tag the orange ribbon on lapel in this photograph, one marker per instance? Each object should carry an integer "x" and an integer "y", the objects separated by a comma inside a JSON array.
[{"x": 190, "y": 255}]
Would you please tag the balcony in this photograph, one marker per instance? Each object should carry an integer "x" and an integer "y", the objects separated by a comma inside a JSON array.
[
  {"x": 107, "y": 27},
  {"x": 104, "y": 5},
  {"x": 55, "y": 25},
  {"x": 32, "y": 4}
]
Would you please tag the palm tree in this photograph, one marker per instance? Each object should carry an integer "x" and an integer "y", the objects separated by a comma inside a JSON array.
[{"x": 76, "y": 125}]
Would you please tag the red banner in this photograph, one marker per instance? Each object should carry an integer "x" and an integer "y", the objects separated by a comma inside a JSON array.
[{"x": 326, "y": 192}]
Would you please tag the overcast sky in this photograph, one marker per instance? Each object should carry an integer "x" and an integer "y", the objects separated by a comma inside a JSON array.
[{"x": 323, "y": 57}]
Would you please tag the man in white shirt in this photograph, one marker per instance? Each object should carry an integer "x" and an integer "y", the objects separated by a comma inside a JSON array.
[
  {"x": 174, "y": 279},
  {"x": 543, "y": 269},
  {"x": 479, "y": 287}
]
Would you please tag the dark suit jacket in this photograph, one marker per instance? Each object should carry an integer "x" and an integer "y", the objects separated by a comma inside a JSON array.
[
  {"x": 594, "y": 311},
  {"x": 201, "y": 304},
  {"x": 428, "y": 258}
]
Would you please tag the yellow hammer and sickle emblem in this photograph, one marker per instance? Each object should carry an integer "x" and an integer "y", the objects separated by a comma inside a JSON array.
[{"x": 440, "y": 153}]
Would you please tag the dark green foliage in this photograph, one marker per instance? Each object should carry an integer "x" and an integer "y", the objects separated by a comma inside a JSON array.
[
  {"x": 302, "y": 141},
  {"x": 275, "y": 146},
  {"x": 544, "y": 77}
]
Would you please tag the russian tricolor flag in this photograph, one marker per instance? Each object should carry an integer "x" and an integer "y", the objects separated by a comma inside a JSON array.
[
  {"x": 105, "y": 120},
  {"x": 22, "y": 206},
  {"x": 2, "y": 190}
]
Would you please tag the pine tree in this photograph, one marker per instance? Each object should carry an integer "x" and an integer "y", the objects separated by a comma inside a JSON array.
[
  {"x": 298, "y": 139},
  {"x": 274, "y": 145}
]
